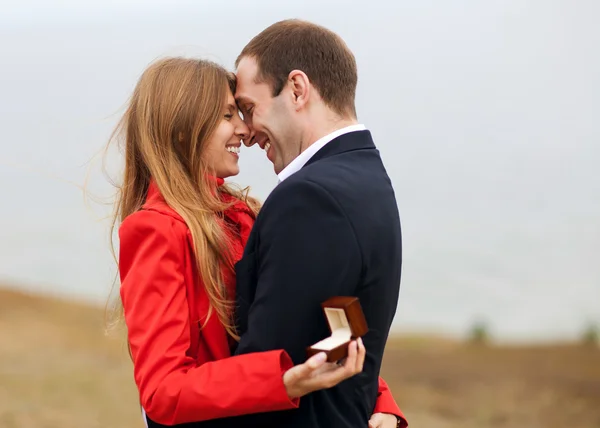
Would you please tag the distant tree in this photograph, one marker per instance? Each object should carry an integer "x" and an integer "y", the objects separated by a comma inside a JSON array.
[
  {"x": 479, "y": 333},
  {"x": 591, "y": 335}
]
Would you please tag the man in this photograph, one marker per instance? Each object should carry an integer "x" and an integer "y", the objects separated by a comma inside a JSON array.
[{"x": 331, "y": 227}]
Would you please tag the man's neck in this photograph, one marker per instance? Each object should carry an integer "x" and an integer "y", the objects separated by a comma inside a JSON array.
[
  {"x": 317, "y": 141},
  {"x": 325, "y": 128}
]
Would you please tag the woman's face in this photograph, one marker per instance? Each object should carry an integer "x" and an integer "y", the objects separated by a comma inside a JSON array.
[{"x": 223, "y": 148}]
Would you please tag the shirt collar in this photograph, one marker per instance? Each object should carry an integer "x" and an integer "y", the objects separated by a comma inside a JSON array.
[{"x": 297, "y": 164}]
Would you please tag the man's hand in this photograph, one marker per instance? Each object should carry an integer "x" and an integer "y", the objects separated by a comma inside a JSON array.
[
  {"x": 383, "y": 420},
  {"x": 316, "y": 374}
]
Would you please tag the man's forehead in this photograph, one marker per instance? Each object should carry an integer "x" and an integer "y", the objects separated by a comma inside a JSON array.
[
  {"x": 244, "y": 78},
  {"x": 246, "y": 69},
  {"x": 247, "y": 65},
  {"x": 240, "y": 94}
]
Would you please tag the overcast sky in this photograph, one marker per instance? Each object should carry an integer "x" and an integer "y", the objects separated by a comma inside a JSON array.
[{"x": 486, "y": 114}]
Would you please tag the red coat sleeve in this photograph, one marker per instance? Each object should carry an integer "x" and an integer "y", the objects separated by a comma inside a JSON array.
[
  {"x": 173, "y": 387},
  {"x": 387, "y": 404}
]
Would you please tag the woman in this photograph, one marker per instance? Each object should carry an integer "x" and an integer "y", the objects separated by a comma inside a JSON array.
[{"x": 182, "y": 230}]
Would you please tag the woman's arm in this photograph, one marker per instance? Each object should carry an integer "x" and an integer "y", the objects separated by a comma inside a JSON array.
[
  {"x": 386, "y": 403},
  {"x": 173, "y": 388}
]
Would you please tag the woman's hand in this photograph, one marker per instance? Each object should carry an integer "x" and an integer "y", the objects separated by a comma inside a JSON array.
[
  {"x": 316, "y": 374},
  {"x": 383, "y": 420}
]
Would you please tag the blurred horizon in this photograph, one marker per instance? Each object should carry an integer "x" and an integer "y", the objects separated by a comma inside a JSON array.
[{"x": 485, "y": 115}]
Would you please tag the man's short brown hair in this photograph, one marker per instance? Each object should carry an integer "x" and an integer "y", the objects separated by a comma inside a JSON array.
[{"x": 320, "y": 53}]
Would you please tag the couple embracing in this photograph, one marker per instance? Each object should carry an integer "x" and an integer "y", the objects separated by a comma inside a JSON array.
[{"x": 222, "y": 296}]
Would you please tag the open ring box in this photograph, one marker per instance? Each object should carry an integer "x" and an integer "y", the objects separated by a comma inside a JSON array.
[{"x": 346, "y": 323}]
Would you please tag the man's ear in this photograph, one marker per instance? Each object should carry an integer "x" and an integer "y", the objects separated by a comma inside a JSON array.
[{"x": 300, "y": 86}]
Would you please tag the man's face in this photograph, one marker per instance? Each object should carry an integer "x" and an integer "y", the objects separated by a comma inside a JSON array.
[{"x": 270, "y": 119}]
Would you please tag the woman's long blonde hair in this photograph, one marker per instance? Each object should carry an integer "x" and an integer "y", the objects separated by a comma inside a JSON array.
[{"x": 174, "y": 110}]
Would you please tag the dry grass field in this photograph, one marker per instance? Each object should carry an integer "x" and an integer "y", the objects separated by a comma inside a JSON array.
[{"x": 58, "y": 369}]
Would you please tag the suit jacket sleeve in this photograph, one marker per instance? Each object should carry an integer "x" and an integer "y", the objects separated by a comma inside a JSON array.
[{"x": 173, "y": 387}]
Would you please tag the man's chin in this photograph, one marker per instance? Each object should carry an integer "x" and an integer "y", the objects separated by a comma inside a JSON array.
[{"x": 277, "y": 168}]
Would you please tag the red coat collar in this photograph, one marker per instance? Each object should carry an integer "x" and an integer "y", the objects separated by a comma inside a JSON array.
[
  {"x": 218, "y": 180},
  {"x": 236, "y": 212}
]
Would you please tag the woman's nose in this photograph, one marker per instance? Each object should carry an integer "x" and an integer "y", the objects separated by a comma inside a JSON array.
[
  {"x": 242, "y": 131},
  {"x": 248, "y": 138}
]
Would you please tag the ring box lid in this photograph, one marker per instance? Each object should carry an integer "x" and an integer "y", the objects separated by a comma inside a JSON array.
[{"x": 345, "y": 317}]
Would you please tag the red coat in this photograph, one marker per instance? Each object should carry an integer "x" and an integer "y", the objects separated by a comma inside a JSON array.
[{"x": 184, "y": 374}]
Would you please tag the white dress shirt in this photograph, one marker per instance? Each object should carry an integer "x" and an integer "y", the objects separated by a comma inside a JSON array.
[{"x": 310, "y": 151}]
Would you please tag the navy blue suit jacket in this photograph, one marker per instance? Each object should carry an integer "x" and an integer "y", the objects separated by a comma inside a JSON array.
[{"x": 330, "y": 229}]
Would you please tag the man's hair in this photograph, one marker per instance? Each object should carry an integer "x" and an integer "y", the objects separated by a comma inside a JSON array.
[{"x": 320, "y": 53}]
